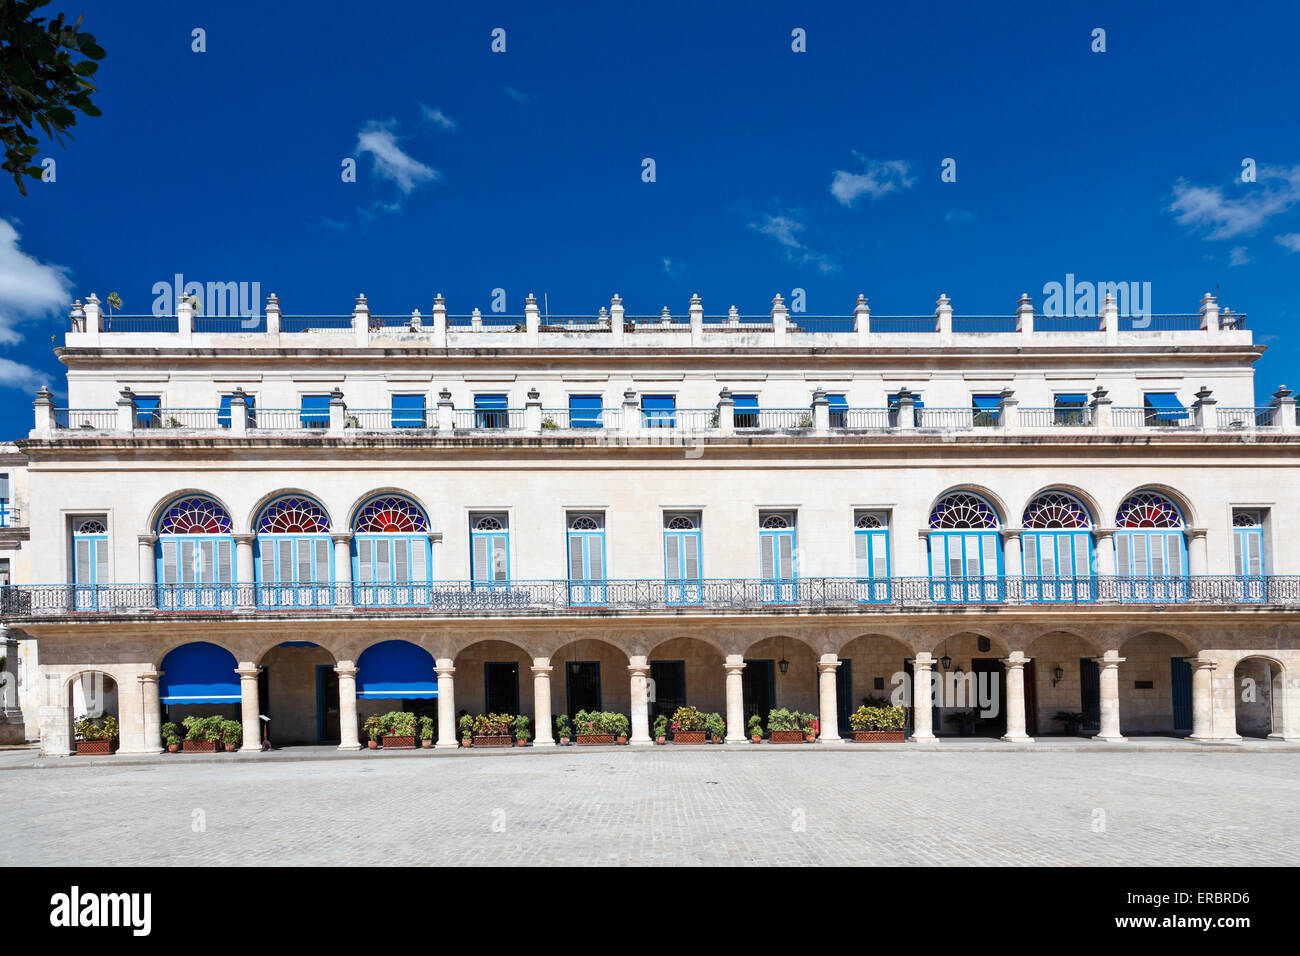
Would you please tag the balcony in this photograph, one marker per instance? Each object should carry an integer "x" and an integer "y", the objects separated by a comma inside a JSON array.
[{"x": 633, "y": 596}]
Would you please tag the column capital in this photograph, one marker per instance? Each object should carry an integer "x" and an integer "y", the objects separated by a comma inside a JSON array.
[
  {"x": 924, "y": 659},
  {"x": 345, "y": 669},
  {"x": 540, "y": 669},
  {"x": 244, "y": 538},
  {"x": 734, "y": 664},
  {"x": 1104, "y": 532},
  {"x": 1012, "y": 532},
  {"x": 1195, "y": 532},
  {"x": 149, "y": 677},
  {"x": 1203, "y": 663},
  {"x": 341, "y": 537},
  {"x": 1016, "y": 659},
  {"x": 248, "y": 673},
  {"x": 1110, "y": 661},
  {"x": 149, "y": 539},
  {"x": 639, "y": 670},
  {"x": 825, "y": 666}
]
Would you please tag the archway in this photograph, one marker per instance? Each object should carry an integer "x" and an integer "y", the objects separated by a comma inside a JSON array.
[
  {"x": 199, "y": 680},
  {"x": 93, "y": 712},
  {"x": 1155, "y": 685},
  {"x": 780, "y": 674},
  {"x": 590, "y": 673},
  {"x": 494, "y": 676},
  {"x": 1062, "y": 677},
  {"x": 1258, "y": 688},
  {"x": 972, "y": 691},
  {"x": 396, "y": 675},
  {"x": 874, "y": 671},
  {"x": 686, "y": 672},
  {"x": 299, "y": 692}
]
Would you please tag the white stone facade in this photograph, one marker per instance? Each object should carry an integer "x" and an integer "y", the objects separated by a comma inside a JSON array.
[{"x": 847, "y": 422}]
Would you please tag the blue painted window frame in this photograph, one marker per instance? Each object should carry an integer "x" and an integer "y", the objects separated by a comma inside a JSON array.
[
  {"x": 839, "y": 405},
  {"x": 986, "y": 585},
  {"x": 409, "y": 411},
  {"x": 391, "y": 591},
  {"x": 659, "y": 411},
  {"x": 483, "y": 567},
  {"x": 683, "y": 588},
  {"x": 286, "y": 589},
  {"x": 1058, "y": 584},
  {"x": 1252, "y": 586},
  {"x": 777, "y": 587},
  {"x": 745, "y": 411},
  {"x": 1133, "y": 549},
  {"x": 314, "y": 411},
  {"x": 986, "y": 408},
  {"x": 198, "y": 593},
  {"x": 148, "y": 411},
  {"x": 586, "y": 583},
  {"x": 491, "y": 410},
  {"x": 870, "y": 549}
]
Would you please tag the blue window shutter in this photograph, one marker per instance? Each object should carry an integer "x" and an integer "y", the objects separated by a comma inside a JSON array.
[
  {"x": 495, "y": 400},
  {"x": 146, "y": 411},
  {"x": 1166, "y": 406},
  {"x": 657, "y": 410},
  {"x": 314, "y": 412},
  {"x": 986, "y": 402},
  {"x": 1070, "y": 399},
  {"x": 408, "y": 411},
  {"x": 223, "y": 412},
  {"x": 585, "y": 411}
]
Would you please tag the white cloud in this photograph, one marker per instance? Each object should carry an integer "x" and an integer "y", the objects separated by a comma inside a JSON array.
[
  {"x": 435, "y": 115},
  {"x": 785, "y": 230},
  {"x": 879, "y": 178},
  {"x": 1239, "y": 256},
  {"x": 390, "y": 160},
  {"x": 959, "y": 215},
  {"x": 1208, "y": 207},
  {"x": 28, "y": 289},
  {"x": 19, "y": 376},
  {"x": 1290, "y": 240},
  {"x": 672, "y": 268},
  {"x": 519, "y": 96}
]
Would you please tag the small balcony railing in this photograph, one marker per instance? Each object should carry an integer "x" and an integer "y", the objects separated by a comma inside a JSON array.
[{"x": 637, "y": 595}]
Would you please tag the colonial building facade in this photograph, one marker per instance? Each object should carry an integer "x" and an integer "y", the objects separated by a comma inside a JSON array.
[{"x": 319, "y": 518}]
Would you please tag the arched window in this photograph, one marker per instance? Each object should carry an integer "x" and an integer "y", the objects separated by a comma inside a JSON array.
[
  {"x": 777, "y": 564},
  {"x": 1151, "y": 548},
  {"x": 871, "y": 555},
  {"x": 489, "y": 556},
  {"x": 587, "y": 558},
  {"x": 1056, "y": 549},
  {"x": 683, "y": 574},
  {"x": 295, "y": 556},
  {"x": 391, "y": 558},
  {"x": 965, "y": 550},
  {"x": 195, "y": 555}
]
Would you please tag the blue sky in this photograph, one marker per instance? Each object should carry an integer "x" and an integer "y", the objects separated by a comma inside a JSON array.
[{"x": 774, "y": 169}]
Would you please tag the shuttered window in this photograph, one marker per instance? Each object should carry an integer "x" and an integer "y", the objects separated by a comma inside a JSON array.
[{"x": 490, "y": 550}]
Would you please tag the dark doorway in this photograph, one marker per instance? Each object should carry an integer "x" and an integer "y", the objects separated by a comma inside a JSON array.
[
  {"x": 1090, "y": 694},
  {"x": 582, "y": 685},
  {"x": 1031, "y": 699},
  {"x": 990, "y": 685},
  {"x": 1180, "y": 672},
  {"x": 327, "y": 704},
  {"x": 844, "y": 695},
  {"x": 670, "y": 688},
  {"x": 501, "y": 687},
  {"x": 758, "y": 681}
]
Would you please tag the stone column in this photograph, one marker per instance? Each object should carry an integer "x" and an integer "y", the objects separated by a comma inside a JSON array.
[
  {"x": 1012, "y": 563},
  {"x": 640, "y": 671},
  {"x": 829, "y": 711},
  {"x": 736, "y": 730},
  {"x": 342, "y": 568},
  {"x": 447, "y": 730},
  {"x": 1198, "y": 555},
  {"x": 1203, "y": 698},
  {"x": 1109, "y": 680},
  {"x": 1015, "y": 667},
  {"x": 349, "y": 732},
  {"x": 542, "y": 702},
  {"x": 56, "y": 713},
  {"x": 922, "y": 698},
  {"x": 150, "y": 712},
  {"x": 1105, "y": 551},
  {"x": 148, "y": 566},
  {"x": 250, "y": 706}
]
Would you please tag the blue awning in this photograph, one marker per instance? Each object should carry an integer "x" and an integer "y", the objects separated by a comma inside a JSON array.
[
  {"x": 987, "y": 403},
  {"x": 1071, "y": 398},
  {"x": 396, "y": 670},
  {"x": 199, "y": 673},
  {"x": 1166, "y": 406}
]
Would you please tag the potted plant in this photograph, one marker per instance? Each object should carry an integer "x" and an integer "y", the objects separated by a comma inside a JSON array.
[
  {"x": 716, "y": 727},
  {"x": 493, "y": 730},
  {"x": 399, "y": 730},
  {"x": 877, "y": 724},
  {"x": 965, "y": 721},
  {"x": 201, "y": 734},
  {"x": 466, "y": 725},
  {"x": 661, "y": 730},
  {"x": 374, "y": 729},
  {"x": 811, "y": 727},
  {"x": 426, "y": 731},
  {"x": 96, "y": 735},
  {"x": 562, "y": 729},
  {"x": 785, "y": 726},
  {"x": 756, "y": 729},
  {"x": 1072, "y": 720},
  {"x": 593, "y": 728},
  {"x": 232, "y": 735},
  {"x": 689, "y": 726},
  {"x": 621, "y": 725},
  {"x": 522, "y": 736},
  {"x": 171, "y": 737}
]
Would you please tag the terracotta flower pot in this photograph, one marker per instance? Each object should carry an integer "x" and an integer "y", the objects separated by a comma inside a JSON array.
[
  {"x": 661, "y": 740},
  {"x": 717, "y": 740},
  {"x": 758, "y": 739},
  {"x": 374, "y": 744},
  {"x": 622, "y": 740},
  {"x": 520, "y": 743},
  {"x": 426, "y": 743},
  {"x": 564, "y": 741},
  {"x": 811, "y": 738},
  {"x": 173, "y": 748}
]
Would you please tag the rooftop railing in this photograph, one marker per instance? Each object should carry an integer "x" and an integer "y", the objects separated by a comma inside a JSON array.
[{"x": 841, "y": 595}]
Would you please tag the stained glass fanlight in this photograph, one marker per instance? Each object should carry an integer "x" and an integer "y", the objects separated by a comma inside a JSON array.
[
  {"x": 295, "y": 514},
  {"x": 962, "y": 511},
  {"x": 1148, "y": 509},
  {"x": 1053, "y": 509},
  {"x": 391, "y": 514},
  {"x": 194, "y": 515}
]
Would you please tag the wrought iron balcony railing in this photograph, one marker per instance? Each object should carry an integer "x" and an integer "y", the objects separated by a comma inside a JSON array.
[{"x": 634, "y": 595}]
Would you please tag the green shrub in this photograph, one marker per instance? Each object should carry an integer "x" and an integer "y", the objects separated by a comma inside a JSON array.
[
  {"x": 688, "y": 719},
  {"x": 562, "y": 728},
  {"x": 373, "y": 727},
  {"x": 96, "y": 728},
  {"x": 661, "y": 726},
  {"x": 399, "y": 723},
  {"x": 782, "y": 719},
  {"x": 756, "y": 726},
  {"x": 426, "y": 728},
  {"x": 493, "y": 725},
  {"x": 877, "y": 718},
  {"x": 232, "y": 733},
  {"x": 203, "y": 728},
  {"x": 521, "y": 728},
  {"x": 171, "y": 736},
  {"x": 716, "y": 726},
  {"x": 466, "y": 725}
]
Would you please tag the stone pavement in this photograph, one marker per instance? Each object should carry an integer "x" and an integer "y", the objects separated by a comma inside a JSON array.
[{"x": 662, "y": 806}]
